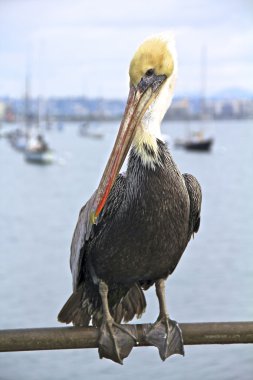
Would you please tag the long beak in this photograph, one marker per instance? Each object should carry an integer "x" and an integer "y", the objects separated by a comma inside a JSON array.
[{"x": 139, "y": 99}]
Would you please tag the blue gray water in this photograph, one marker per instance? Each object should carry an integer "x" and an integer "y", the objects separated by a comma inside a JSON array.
[{"x": 213, "y": 281}]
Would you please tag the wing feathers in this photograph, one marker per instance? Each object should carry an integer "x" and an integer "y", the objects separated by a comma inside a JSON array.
[{"x": 195, "y": 195}]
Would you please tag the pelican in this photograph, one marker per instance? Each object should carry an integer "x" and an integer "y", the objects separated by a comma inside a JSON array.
[{"x": 133, "y": 230}]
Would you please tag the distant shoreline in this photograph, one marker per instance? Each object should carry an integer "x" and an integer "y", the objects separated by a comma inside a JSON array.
[
  {"x": 101, "y": 119},
  {"x": 82, "y": 109}
]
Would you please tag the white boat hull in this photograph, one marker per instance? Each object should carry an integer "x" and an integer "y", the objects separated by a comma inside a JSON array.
[{"x": 46, "y": 157}]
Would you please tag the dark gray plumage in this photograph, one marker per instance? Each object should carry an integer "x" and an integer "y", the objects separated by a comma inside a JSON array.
[{"x": 140, "y": 236}]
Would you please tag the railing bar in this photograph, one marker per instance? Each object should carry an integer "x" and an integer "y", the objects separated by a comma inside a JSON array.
[{"x": 56, "y": 338}]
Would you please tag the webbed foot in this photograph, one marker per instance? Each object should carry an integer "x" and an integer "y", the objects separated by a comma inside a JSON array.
[
  {"x": 165, "y": 334},
  {"x": 116, "y": 341}
]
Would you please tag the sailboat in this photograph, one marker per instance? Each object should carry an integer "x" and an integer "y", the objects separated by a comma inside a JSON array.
[
  {"x": 37, "y": 150},
  {"x": 197, "y": 140},
  {"x": 86, "y": 131}
]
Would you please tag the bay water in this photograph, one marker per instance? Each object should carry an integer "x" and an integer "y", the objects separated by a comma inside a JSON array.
[{"x": 39, "y": 207}]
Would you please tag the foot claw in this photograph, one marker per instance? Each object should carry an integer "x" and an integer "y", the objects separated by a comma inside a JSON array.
[
  {"x": 116, "y": 341},
  {"x": 166, "y": 335}
]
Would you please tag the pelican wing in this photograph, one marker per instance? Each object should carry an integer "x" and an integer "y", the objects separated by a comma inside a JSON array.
[
  {"x": 82, "y": 234},
  {"x": 195, "y": 195},
  {"x": 84, "y": 229}
]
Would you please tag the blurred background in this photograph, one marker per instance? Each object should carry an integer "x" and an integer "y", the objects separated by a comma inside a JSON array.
[{"x": 63, "y": 86}]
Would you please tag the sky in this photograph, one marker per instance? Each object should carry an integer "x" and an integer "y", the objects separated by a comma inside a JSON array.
[{"x": 80, "y": 47}]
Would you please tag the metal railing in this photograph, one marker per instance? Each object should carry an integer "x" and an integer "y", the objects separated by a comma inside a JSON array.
[{"x": 87, "y": 337}]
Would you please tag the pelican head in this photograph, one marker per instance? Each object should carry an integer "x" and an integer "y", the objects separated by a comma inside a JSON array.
[
  {"x": 152, "y": 71},
  {"x": 155, "y": 62}
]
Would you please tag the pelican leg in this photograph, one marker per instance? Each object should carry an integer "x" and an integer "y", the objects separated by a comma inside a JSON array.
[
  {"x": 115, "y": 341},
  {"x": 165, "y": 333}
]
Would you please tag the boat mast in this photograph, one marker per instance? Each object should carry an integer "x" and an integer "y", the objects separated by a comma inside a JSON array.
[
  {"x": 27, "y": 105},
  {"x": 203, "y": 76}
]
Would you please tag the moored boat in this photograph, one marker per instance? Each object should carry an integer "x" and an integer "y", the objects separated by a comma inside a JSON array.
[
  {"x": 203, "y": 145},
  {"x": 196, "y": 142},
  {"x": 38, "y": 152},
  {"x": 39, "y": 157},
  {"x": 86, "y": 131}
]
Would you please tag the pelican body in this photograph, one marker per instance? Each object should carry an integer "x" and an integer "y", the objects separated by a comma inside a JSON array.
[
  {"x": 149, "y": 210},
  {"x": 133, "y": 231}
]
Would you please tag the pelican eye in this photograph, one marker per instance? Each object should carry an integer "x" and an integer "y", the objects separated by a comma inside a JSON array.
[{"x": 150, "y": 72}]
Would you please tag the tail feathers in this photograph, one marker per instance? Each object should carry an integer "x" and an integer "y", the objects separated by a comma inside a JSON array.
[
  {"x": 134, "y": 303},
  {"x": 75, "y": 310},
  {"x": 79, "y": 310}
]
